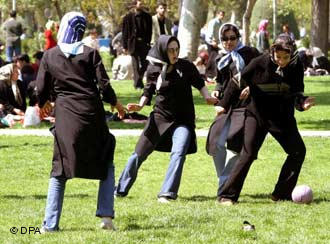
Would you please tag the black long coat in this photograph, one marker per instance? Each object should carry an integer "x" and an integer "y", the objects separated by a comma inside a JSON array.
[
  {"x": 173, "y": 106},
  {"x": 274, "y": 93},
  {"x": 237, "y": 109},
  {"x": 83, "y": 146},
  {"x": 131, "y": 33}
]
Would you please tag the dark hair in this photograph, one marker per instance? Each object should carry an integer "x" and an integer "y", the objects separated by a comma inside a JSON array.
[
  {"x": 221, "y": 11},
  {"x": 228, "y": 27},
  {"x": 22, "y": 57},
  {"x": 161, "y": 4},
  {"x": 283, "y": 43},
  {"x": 12, "y": 13},
  {"x": 38, "y": 55}
]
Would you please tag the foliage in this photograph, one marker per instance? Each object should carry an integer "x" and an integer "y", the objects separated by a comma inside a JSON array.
[{"x": 193, "y": 218}]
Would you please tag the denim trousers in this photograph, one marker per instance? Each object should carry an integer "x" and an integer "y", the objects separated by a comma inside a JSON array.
[
  {"x": 224, "y": 159},
  {"x": 55, "y": 197},
  {"x": 180, "y": 144},
  {"x": 10, "y": 52}
]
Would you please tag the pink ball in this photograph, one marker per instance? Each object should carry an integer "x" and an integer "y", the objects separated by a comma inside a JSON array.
[{"x": 302, "y": 194}]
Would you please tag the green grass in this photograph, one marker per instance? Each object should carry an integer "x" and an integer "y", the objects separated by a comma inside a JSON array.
[
  {"x": 194, "y": 218},
  {"x": 316, "y": 118}
]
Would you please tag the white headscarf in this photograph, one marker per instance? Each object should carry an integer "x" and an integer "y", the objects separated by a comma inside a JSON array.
[
  {"x": 71, "y": 32},
  {"x": 231, "y": 55}
]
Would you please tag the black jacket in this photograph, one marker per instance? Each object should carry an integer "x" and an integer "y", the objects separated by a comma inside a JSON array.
[{"x": 130, "y": 33}]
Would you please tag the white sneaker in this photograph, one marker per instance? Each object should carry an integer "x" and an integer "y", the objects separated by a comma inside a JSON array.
[
  {"x": 164, "y": 200},
  {"x": 107, "y": 224}
]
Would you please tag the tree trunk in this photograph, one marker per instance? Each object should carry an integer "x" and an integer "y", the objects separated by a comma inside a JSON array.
[
  {"x": 320, "y": 25},
  {"x": 189, "y": 27},
  {"x": 246, "y": 21},
  {"x": 58, "y": 9}
]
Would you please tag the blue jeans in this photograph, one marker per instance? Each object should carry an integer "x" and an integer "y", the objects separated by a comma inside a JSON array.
[
  {"x": 225, "y": 159},
  {"x": 105, "y": 201},
  {"x": 10, "y": 52},
  {"x": 180, "y": 144}
]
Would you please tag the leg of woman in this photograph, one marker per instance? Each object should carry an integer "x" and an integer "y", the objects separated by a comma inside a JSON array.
[
  {"x": 129, "y": 174},
  {"x": 224, "y": 160},
  {"x": 54, "y": 203},
  {"x": 180, "y": 144},
  {"x": 105, "y": 201},
  {"x": 294, "y": 146},
  {"x": 253, "y": 139}
]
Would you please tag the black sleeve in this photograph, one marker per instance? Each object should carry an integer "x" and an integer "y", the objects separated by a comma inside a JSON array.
[
  {"x": 103, "y": 81},
  {"x": 125, "y": 32},
  {"x": 195, "y": 77},
  {"x": 153, "y": 71},
  {"x": 43, "y": 82},
  {"x": 149, "y": 28}
]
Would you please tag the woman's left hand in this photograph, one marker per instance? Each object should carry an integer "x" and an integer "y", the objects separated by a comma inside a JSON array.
[
  {"x": 211, "y": 100},
  {"x": 308, "y": 103}
]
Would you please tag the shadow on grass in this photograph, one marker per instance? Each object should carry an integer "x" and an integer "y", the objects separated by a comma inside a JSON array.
[
  {"x": 198, "y": 198},
  {"x": 323, "y": 124},
  {"x": 38, "y": 197},
  {"x": 135, "y": 227},
  {"x": 24, "y": 145}
]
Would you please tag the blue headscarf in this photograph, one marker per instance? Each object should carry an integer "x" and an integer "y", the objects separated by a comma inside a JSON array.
[
  {"x": 71, "y": 32},
  {"x": 231, "y": 55}
]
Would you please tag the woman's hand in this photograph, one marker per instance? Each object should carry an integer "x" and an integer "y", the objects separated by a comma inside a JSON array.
[
  {"x": 219, "y": 110},
  {"x": 121, "y": 110},
  {"x": 133, "y": 107},
  {"x": 245, "y": 93},
  {"x": 211, "y": 100},
  {"x": 215, "y": 94},
  {"x": 18, "y": 112},
  {"x": 308, "y": 103}
]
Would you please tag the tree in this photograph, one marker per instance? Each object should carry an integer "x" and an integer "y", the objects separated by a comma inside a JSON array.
[
  {"x": 189, "y": 27},
  {"x": 320, "y": 24},
  {"x": 246, "y": 21}
]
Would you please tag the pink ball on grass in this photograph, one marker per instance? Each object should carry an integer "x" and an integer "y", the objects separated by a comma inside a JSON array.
[{"x": 302, "y": 194}]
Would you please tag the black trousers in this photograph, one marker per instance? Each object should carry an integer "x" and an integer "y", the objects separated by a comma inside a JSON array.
[
  {"x": 254, "y": 135},
  {"x": 139, "y": 63},
  {"x": 211, "y": 66}
]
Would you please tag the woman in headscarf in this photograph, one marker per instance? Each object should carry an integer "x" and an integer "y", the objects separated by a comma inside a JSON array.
[
  {"x": 263, "y": 37},
  {"x": 276, "y": 82},
  {"x": 171, "y": 124},
  {"x": 12, "y": 95},
  {"x": 50, "y": 34},
  {"x": 228, "y": 127},
  {"x": 83, "y": 146}
]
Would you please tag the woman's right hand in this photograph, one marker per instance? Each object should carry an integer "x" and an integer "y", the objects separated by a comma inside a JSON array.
[
  {"x": 215, "y": 94},
  {"x": 133, "y": 107}
]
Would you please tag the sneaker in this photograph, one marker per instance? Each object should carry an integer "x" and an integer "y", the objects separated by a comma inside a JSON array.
[
  {"x": 44, "y": 230},
  {"x": 225, "y": 201},
  {"x": 164, "y": 199},
  {"x": 107, "y": 224}
]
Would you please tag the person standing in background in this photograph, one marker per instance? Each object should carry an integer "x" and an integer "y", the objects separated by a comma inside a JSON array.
[
  {"x": 13, "y": 30},
  {"x": 212, "y": 42},
  {"x": 263, "y": 37},
  {"x": 160, "y": 24},
  {"x": 136, "y": 37}
]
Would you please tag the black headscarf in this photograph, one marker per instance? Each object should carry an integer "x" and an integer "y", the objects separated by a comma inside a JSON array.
[{"x": 158, "y": 55}]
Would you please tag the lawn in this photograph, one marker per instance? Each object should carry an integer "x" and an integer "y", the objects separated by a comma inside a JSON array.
[
  {"x": 315, "y": 119},
  {"x": 193, "y": 218}
]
